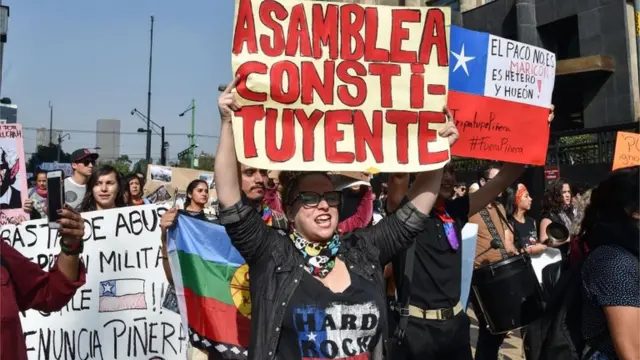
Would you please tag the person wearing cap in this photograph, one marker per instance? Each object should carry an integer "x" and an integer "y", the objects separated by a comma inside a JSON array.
[{"x": 82, "y": 162}]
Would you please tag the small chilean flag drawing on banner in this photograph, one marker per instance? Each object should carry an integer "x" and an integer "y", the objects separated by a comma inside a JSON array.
[
  {"x": 500, "y": 95},
  {"x": 122, "y": 294}
]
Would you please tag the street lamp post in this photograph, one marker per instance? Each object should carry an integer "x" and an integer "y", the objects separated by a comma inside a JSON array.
[
  {"x": 60, "y": 139},
  {"x": 50, "y": 124},
  {"x": 192, "y": 138},
  {"x": 163, "y": 148},
  {"x": 4, "y": 27},
  {"x": 149, "y": 94},
  {"x": 163, "y": 144}
]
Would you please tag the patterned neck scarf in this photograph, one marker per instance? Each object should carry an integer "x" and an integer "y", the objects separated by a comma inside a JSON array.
[
  {"x": 319, "y": 259},
  {"x": 266, "y": 215},
  {"x": 448, "y": 224}
]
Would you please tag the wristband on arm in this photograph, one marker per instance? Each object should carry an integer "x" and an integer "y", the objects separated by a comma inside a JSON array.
[{"x": 71, "y": 247}]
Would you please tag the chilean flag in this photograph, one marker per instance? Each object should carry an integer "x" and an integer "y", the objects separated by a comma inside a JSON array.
[{"x": 500, "y": 94}]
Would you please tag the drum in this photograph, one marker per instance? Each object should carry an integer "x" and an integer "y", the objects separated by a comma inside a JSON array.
[{"x": 508, "y": 293}]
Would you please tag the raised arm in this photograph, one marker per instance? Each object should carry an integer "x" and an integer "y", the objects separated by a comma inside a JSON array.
[
  {"x": 362, "y": 217},
  {"x": 248, "y": 233},
  {"x": 226, "y": 165}
]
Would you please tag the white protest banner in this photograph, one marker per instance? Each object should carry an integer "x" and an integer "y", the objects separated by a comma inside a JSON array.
[{"x": 118, "y": 313}]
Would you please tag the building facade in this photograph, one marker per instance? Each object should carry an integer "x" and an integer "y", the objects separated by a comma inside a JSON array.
[
  {"x": 43, "y": 138},
  {"x": 597, "y": 75},
  {"x": 108, "y": 139}
]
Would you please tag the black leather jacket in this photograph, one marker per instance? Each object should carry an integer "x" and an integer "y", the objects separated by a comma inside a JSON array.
[{"x": 276, "y": 267}]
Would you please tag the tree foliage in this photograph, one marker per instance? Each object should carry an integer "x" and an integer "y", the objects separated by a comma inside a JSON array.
[
  {"x": 46, "y": 153},
  {"x": 121, "y": 164},
  {"x": 205, "y": 162}
]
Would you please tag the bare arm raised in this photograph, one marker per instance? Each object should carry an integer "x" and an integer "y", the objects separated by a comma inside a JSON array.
[{"x": 226, "y": 165}]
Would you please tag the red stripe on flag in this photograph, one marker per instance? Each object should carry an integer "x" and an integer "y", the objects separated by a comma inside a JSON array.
[
  {"x": 217, "y": 321},
  {"x": 501, "y": 130}
]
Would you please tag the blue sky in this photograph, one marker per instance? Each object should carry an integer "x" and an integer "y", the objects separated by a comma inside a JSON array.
[{"x": 90, "y": 59}]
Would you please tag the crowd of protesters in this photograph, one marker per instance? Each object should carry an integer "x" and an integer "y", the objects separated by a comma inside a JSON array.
[{"x": 347, "y": 246}]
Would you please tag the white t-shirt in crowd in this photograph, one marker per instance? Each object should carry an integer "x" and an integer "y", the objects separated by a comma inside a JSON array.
[{"x": 73, "y": 193}]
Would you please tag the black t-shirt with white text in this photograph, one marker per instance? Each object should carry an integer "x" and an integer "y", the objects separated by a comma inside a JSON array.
[{"x": 321, "y": 324}]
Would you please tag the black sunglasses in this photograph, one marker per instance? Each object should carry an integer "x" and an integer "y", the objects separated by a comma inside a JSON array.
[
  {"x": 312, "y": 199},
  {"x": 86, "y": 162}
]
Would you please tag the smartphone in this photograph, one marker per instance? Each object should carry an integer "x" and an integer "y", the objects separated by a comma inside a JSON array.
[{"x": 55, "y": 193}]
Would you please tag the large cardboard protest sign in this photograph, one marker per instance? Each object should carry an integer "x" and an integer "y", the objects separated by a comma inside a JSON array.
[
  {"x": 118, "y": 313},
  {"x": 500, "y": 95},
  {"x": 13, "y": 175},
  {"x": 627, "y": 152},
  {"x": 340, "y": 87},
  {"x": 175, "y": 178}
]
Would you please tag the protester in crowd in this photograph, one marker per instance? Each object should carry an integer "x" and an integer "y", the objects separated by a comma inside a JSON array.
[
  {"x": 356, "y": 211},
  {"x": 610, "y": 273},
  {"x": 315, "y": 269},
  {"x": 253, "y": 184},
  {"x": 438, "y": 328},
  {"x": 481, "y": 180},
  {"x": 82, "y": 163},
  {"x": 525, "y": 231},
  {"x": 273, "y": 191},
  {"x": 39, "y": 196},
  {"x": 106, "y": 190},
  {"x": 460, "y": 189},
  {"x": 134, "y": 190},
  {"x": 579, "y": 248},
  {"x": 24, "y": 285},
  {"x": 557, "y": 208}
]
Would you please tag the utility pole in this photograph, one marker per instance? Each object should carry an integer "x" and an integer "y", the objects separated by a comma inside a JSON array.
[
  {"x": 193, "y": 130},
  {"x": 60, "y": 139},
  {"x": 50, "y": 124},
  {"x": 149, "y": 95},
  {"x": 163, "y": 149}
]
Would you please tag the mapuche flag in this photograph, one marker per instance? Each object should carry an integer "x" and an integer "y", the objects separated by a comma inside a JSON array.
[{"x": 212, "y": 286}]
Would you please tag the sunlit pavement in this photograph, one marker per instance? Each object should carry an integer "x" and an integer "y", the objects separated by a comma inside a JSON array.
[{"x": 511, "y": 348}]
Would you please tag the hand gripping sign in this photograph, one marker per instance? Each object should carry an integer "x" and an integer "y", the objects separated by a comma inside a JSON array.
[{"x": 340, "y": 87}]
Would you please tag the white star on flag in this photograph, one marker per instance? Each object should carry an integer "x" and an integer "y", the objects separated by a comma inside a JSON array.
[
  {"x": 312, "y": 336},
  {"x": 462, "y": 60},
  {"x": 107, "y": 288}
]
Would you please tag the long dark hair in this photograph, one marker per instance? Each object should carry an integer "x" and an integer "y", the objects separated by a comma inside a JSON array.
[
  {"x": 89, "y": 202},
  {"x": 612, "y": 203},
  {"x": 552, "y": 200},
  {"x": 509, "y": 198},
  {"x": 192, "y": 186}
]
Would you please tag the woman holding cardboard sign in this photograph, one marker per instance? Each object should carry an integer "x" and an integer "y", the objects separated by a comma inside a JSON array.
[{"x": 315, "y": 294}]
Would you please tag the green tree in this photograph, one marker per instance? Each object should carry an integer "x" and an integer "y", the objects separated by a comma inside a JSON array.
[
  {"x": 122, "y": 164},
  {"x": 47, "y": 153},
  {"x": 140, "y": 166}
]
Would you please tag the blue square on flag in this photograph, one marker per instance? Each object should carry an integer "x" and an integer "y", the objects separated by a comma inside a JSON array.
[{"x": 468, "y": 60}]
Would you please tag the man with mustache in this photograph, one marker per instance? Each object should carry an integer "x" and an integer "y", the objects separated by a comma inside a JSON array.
[{"x": 253, "y": 185}]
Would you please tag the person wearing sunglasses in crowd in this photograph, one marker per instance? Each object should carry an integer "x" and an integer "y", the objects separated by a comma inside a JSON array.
[
  {"x": 315, "y": 293},
  {"x": 75, "y": 187}
]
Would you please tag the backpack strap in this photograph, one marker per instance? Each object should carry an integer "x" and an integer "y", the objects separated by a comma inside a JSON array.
[{"x": 404, "y": 294}]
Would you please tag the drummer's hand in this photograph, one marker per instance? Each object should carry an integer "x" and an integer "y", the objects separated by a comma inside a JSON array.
[{"x": 511, "y": 250}]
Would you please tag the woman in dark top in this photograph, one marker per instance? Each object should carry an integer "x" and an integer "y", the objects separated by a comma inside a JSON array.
[
  {"x": 524, "y": 227},
  {"x": 315, "y": 294},
  {"x": 610, "y": 273},
  {"x": 557, "y": 207}
]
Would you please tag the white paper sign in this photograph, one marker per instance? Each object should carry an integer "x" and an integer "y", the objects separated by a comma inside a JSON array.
[
  {"x": 519, "y": 72},
  {"x": 117, "y": 314}
]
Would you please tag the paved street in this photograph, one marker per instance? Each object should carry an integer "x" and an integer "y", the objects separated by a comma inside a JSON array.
[{"x": 511, "y": 348}]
